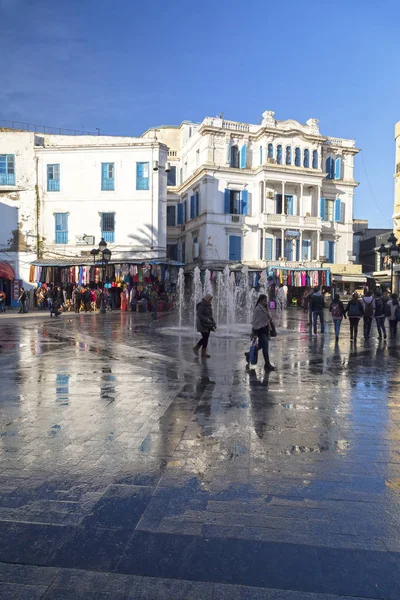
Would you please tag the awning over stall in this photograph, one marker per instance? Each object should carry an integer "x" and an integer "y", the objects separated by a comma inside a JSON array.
[{"x": 6, "y": 271}]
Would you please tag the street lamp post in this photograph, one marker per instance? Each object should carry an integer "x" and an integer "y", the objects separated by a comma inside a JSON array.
[
  {"x": 393, "y": 251},
  {"x": 105, "y": 254}
]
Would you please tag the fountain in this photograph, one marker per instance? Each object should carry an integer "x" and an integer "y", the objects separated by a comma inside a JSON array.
[
  {"x": 180, "y": 289},
  {"x": 207, "y": 287},
  {"x": 197, "y": 293}
]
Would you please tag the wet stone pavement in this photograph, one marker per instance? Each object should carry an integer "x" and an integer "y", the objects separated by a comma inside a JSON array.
[{"x": 129, "y": 468}]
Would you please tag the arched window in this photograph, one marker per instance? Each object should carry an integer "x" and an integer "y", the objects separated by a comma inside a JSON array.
[
  {"x": 297, "y": 157},
  {"x": 279, "y": 154},
  {"x": 315, "y": 159},
  {"x": 306, "y": 159},
  {"x": 270, "y": 151},
  {"x": 288, "y": 155},
  {"x": 235, "y": 157}
]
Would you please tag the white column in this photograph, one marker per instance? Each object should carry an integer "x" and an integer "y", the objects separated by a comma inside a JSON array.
[
  {"x": 283, "y": 197},
  {"x": 301, "y": 244},
  {"x": 318, "y": 199},
  {"x": 318, "y": 244},
  {"x": 283, "y": 243},
  {"x": 300, "y": 207},
  {"x": 262, "y": 199}
]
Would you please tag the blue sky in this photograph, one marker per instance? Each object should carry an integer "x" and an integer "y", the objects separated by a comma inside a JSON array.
[{"x": 128, "y": 65}]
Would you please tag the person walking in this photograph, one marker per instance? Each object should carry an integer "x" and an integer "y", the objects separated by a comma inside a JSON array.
[
  {"x": 369, "y": 311},
  {"x": 154, "y": 303},
  {"x": 205, "y": 325},
  {"x": 262, "y": 327},
  {"x": 337, "y": 311},
  {"x": 380, "y": 314},
  {"x": 2, "y": 302},
  {"x": 86, "y": 299},
  {"x": 393, "y": 314},
  {"x": 355, "y": 311},
  {"x": 317, "y": 306},
  {"x": 78, "y": 300},
  {"x": 22, "y": 300}
]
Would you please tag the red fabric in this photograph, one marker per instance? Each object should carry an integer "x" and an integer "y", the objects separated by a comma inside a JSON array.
[{"x": 6, "y": 271}]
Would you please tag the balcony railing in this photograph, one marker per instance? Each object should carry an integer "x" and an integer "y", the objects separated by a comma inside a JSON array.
[
  {"x": 53, "y": 185},
  {"x": 108, "y": 236},
  {"x": 7, "y": 178},
  {"x": 292, "y": 221},
  {"x": 235, "y": 126},
  {"x": 61, "y": 237}
]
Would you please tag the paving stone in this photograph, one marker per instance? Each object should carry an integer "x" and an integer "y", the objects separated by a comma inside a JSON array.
[
  {"x": 27, "y": 574},
  {"x": 11, "y": 591}
]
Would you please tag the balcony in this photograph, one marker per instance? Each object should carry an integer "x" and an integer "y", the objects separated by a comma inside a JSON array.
[
  {"x": 107, "y": 184},
  {"x": 53, "y": 185},
  {"x": 274, "y": 220}
]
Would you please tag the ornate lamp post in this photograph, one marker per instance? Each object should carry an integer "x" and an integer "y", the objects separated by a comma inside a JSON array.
[
  {"x": 105, "y": 254},
  {"x": 393, "y": 252}
]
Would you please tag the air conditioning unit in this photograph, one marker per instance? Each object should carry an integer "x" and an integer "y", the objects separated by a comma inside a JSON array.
[
  {"x": 196, "y": 250},
  {"x": 235, "y": 219},
  {"x": 270, "y": 195}
]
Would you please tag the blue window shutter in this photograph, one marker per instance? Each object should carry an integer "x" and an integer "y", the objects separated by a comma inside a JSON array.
[
  {"x": 270, "y": 151},
  {"x": 277, "y": 203},
  {"x": 232, "y": 247},
  {"x": 239, "y": 248},
  {"x": 322, "y": 209},
  {"x": 261, "y": 245},
  {"x": 297, "y": 249},
  {"x": 104, "y": 170},
  {"x": 235, "y": 247},
  {"x": 330, "y": 167},
  {"x": 278, "y": 253},
  {"x": 337, "y": 211},
  {"x": 183, "y": 252},
  {"x": 326, "y": 250},
  {"x": 243, "y": 160},
  {"x": 244, "y": 202},
  {"x": 338, "y": 168},
  {"x": 289, "y": 249},
  {"x": 192, "y": 207},
  {"x": 268, "y": 248},
  {"x": 306, "y": 159},
  {"x": 197, "y": 208},
  {"x": 290, "y": 205},
  {"x": 279, "y": 154},
  {"x": 227, "y": 201},
  {"x": 185, "y": 211},
  {"x": 331, "y": 252},
  {"x": 305, "y": 253},
  {"x": 315, "y": 159},
  {"x": 297, "y": 157},
  {"x": 261, "y": 156},
  {"x": 180, "y": 214}
]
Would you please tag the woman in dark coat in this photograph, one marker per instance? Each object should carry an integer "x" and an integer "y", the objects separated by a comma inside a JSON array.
[{"x": 205, "y": 324}]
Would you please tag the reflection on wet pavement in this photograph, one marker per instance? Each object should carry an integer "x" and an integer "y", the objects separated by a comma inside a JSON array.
[{"x": 128, "y": 464}]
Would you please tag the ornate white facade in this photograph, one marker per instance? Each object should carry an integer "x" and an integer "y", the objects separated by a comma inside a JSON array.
[{"x": 259, "y": 194}]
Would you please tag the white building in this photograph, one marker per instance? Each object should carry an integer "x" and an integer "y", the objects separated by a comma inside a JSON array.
[
  {"x": 58, "y": 193},
  {"x": 278, "y": 192}
]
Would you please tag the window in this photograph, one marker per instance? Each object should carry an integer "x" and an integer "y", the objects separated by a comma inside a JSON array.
[
  {"x": 278, "y": 248},
  {"x": 235, "y": 157},
  {"x": 279, "y": 154},
  {"x": 107, "y": 177},
  {"x": 329, "y": 251},
  {"x": 172, "y": 251},
  {"x": 306, "y": 158},
  {"x": 297, "y": 157},
  {"x": 235, "y": 247},
  {"x": 243, "y": 157},
  {"x": 288, "y": 249},
  {"x": 327, "y": 209},
  {"x": 236, "y": 203},
  {"x": 195, "y": 205},
  {"x": 142, "y": 176},
  {"x": 108, "y": 227},
  {"x": 288, "y": 155},
  {"x": 289, "y": 204},
  {"x": 268, "y": 249},
  {"x": 270, "y": 151},
  {"x": 7, "y": 169},
  {"x": 61, "y": 228},
  {"x": 53, "y": 178},
  {"x": 306, "y": 250},
  {"x": 171, "y": 216},
  {"x": 171, "y": 177},
  {"x": 330, "y": 167},
  {"x": 315, "y": 159}
]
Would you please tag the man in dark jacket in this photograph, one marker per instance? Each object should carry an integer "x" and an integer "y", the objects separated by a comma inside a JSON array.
[
  {"x": 380, "y": 314},
  {"x": 317, "y": 306},
  {"x": 205, "y": 324}
]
